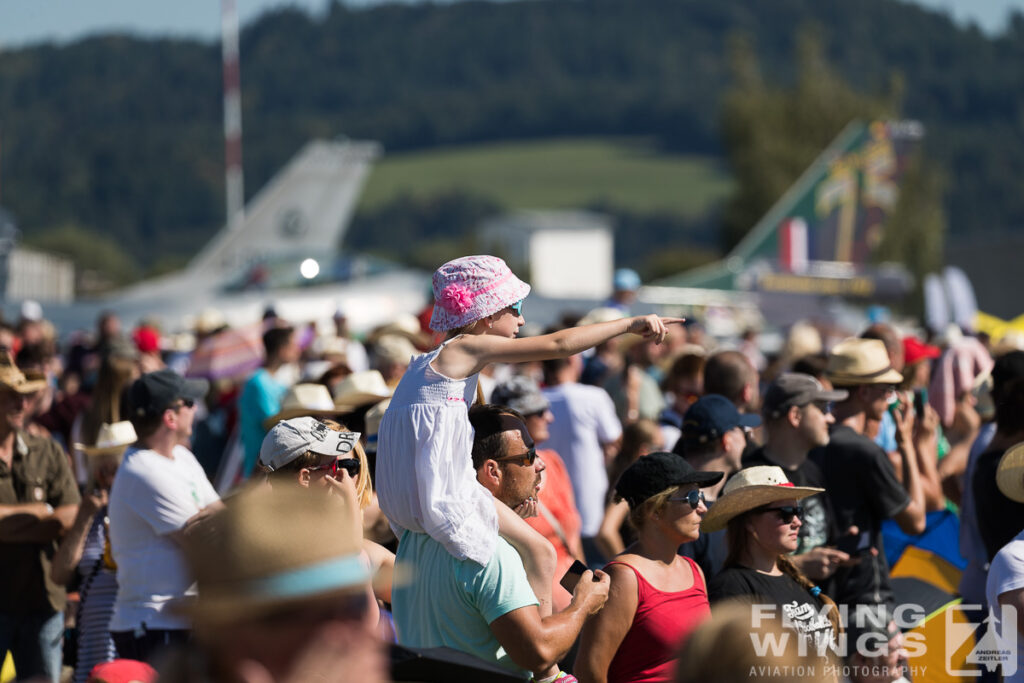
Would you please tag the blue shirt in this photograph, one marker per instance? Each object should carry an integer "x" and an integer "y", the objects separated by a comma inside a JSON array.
[
  {"x": 451, "y": 603},
  {"x": 260, "y": 399},
  {"x": 886, "y": 437}
]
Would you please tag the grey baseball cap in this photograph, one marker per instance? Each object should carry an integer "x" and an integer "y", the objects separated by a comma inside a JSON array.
[
  {"x": 796, "y": 389},
  {"x": 291, "y": 438},
  {"x": 521, "y": 394}
]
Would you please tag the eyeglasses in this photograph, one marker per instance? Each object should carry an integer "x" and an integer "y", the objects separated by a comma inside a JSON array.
[
  {"x": 350, "y": 465},
  {"x": 824, "y": 406},
  {"x": 692, "y": 498},
  {"x": 184, "y": 403},
  {"x": 787, "y": 512},
  {"x": 526, "y": 459},
  {"x": 517, "y": 307}
]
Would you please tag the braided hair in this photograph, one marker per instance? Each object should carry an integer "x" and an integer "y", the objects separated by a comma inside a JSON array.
[{"x": 738, "y": 538}]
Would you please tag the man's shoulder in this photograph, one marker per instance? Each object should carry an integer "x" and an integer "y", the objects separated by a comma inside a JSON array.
[
  {"x": 845, "y": 440},
  {"x": 431, "y": 559},
  {"x": 39, "y": 444},
  {"x": 258, "y": 381}
]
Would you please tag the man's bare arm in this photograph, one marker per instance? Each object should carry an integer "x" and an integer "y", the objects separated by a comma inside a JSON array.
[{"x": 34, "y": 522}]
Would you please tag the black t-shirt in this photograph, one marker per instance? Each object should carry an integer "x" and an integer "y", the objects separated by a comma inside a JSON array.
[
  {"x": 864, "y": 491},
  {"x": 817, "y": 529},
  {"x": 797, "y": 607},
  {"x": 999, "y": 518}
]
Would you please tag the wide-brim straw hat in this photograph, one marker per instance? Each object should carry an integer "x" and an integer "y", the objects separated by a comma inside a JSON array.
[
  {"x": 13, "y": 379},
  {"x": 112, "y": 439},
  {"x": 272, "y": 548},
  {"x": 313, "y": 400},
  {"x": 404, "y": 325},
  {"x": 360, "y": 389},
  {"x": 860, "y": 361},
  {"x": 392, "y": 348},
  {"x": 1010, "y": 474},
  {"x": 751, "y": 488},
  {"x": 471, "y": 288}
]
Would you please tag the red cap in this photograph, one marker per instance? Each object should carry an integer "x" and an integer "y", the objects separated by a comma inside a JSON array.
[
  {"x": 914, "y": 350},
  {"x": 147, "y": 340},
  {"x": 122, "y": 671}
]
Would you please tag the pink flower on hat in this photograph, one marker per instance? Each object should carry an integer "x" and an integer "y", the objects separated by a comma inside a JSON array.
[{"x": 456, "y": 299}]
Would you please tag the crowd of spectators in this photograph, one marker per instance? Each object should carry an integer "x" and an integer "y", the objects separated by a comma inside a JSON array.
[{"x": 286, "y": 516}]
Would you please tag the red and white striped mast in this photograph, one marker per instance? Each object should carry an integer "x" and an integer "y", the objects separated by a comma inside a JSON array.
[{"x": 233, "y": 178}]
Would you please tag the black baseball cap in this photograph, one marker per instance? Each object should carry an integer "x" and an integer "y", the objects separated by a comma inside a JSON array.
[
  {"x": 711, "y": 417},
  {"x": 653, "y": 473},
  {"x": 796, "y": 389},
  {"x": 154, "y": 392}
]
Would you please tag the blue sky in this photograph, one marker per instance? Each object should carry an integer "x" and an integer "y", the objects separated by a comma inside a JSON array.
[{"x": 30, "y": 21}]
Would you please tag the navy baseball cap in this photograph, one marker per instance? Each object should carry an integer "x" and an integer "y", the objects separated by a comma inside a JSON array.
[{"x": 711, "y": 417}]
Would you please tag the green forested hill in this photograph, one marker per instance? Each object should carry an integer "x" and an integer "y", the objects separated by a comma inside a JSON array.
[{"x": 121, "y": 136}]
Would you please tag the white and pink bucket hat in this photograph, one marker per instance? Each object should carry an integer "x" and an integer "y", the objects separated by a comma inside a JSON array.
[{"x": 473, "y": 287}]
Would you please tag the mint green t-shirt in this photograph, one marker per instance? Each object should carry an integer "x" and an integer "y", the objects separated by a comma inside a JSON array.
[{"x": 451, "y": 603}]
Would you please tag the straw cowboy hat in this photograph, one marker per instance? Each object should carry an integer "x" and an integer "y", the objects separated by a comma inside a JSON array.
[
  {"x": 112, "y": 439},
  {"x": 313, "y": 400},
  {"x": 860, "y": 361},
  {"x": 1010, "y": 474},
  {"x": 360, "y": 389},
  {"x": 270, "y": 549},
  {"x": 749, "y": 489},
  {"x": 13, "y": 379}
]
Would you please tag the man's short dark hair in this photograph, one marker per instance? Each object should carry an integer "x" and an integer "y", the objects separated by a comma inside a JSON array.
[
  {"x": 1010, "y": 407},
  {"x": 552, "y": 367},
  {"x": 276, "y": 338},
  {"x": 146, "y": 425},
  {"x": 489, "y": 427},
  {"x": 726, "y": 373}
]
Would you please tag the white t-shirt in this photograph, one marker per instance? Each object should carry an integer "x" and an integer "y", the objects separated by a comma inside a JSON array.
[
  {"x": 153, "y": 496},
  {"x": 1004, "y": 575},
  {"x": 584, "y": 420}
]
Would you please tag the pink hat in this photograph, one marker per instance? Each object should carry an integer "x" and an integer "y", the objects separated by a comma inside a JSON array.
[{"x": 473, "y": 287}]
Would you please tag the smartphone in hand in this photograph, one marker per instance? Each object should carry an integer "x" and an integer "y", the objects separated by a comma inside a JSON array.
[{"x": 572, "y": 576}]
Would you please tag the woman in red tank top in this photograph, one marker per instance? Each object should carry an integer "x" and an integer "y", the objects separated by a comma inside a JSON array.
[{"x": 657, "y": 597}]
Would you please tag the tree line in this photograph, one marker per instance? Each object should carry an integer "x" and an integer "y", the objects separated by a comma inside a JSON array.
[{"x": 121, "y": 136}]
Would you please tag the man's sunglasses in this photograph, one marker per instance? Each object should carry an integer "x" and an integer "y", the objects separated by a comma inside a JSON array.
[
  {"x": 350, "y": 465},
  {"x": 184, "y": 403},
  {"x": 526, "y": 459},
  {"x": 692, "y": 498},
  {"x": 787, "y": 512}
]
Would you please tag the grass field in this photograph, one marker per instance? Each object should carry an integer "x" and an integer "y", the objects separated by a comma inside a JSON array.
[{"x": 556, "y": 173}]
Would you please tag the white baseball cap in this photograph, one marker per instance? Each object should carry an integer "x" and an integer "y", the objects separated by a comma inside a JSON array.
[{"x": 291, "y": 438}]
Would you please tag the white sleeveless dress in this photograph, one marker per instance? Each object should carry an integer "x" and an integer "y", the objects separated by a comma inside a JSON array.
[{"x": 425, "y": 477}]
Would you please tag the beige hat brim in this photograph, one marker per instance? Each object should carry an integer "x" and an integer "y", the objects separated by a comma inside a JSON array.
[
  {"x": 27, "y": 387},
  {"x": 1010, "y": 474},
  {"x": 289, "y": 413},
  {"x": 214, "y": 610},
  {"x": 747, "y": 498},
  {"x": 351, "y": 402},
  {"x": 889, "y": 377},
  {"x": 106, "y": 450}
]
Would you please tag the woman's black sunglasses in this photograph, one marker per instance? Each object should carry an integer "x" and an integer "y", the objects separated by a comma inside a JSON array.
[
  {"x": 786, "y": 513},
  {"x": 692, "y": 498}
]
